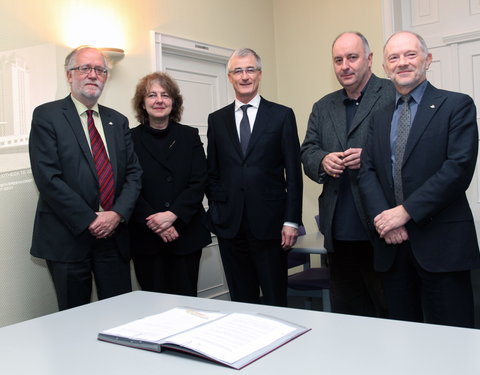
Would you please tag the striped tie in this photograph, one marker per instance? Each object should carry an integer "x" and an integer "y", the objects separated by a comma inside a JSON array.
[{"x": 102, "y": 164}]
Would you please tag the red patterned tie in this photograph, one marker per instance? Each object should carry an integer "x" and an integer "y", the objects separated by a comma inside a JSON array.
[{"x": 102, "y": 164}]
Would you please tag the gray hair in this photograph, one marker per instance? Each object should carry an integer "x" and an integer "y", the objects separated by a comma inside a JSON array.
[
  {"x": 242, "y": 52},
  {"x": 423, "y": 44},
  {"x": 71, "y": 58},
  {"x": 366, "y": 46}
]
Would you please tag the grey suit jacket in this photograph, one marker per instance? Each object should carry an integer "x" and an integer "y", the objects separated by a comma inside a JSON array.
[
  {"x": 327, "y": 132},
  {"x": 66, "y": 178}
]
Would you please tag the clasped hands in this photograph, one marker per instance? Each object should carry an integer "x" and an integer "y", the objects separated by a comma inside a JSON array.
[
  {"x": 390, "y": 225},
  {"x": 104, "y": 224},
  {"x": 335, "y": 163},
  {"x": 161, "y": 224}
]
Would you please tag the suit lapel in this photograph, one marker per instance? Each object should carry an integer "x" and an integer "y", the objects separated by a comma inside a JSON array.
[
  {"x": 383, "y": 124},
  {"x": 109, "y": 131},
  {"x": 428, "y": 106},
  {"x": 339, "y": 119},
  {"x": 231, "y": 127},
  {"x": 366, "y": 104},
  {"x": 261, "y": 123},
  {"x": 73, "y": 119}
]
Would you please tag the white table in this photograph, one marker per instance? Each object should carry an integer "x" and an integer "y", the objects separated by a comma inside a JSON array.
[{"x": 65, "y": 343}]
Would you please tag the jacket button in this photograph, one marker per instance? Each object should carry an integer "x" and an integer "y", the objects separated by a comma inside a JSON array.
[
  {"x": 167, "y": 204},
  {"x": 169, "y": 178}
]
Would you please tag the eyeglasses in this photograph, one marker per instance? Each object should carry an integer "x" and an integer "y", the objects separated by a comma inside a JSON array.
[
  {"x": 86, "y": 69},
  {"x": 239, "y": 71}
]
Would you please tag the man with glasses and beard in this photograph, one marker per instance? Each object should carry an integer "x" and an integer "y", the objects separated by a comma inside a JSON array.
[{"x": 88, "y": 179}]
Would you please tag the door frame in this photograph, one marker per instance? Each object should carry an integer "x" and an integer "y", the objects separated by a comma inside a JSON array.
[
  {"x": 164, "y": 43},
  {"x": 161, "y": 43}
]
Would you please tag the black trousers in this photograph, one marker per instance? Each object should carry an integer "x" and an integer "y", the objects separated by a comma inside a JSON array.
[
  {"x": 165, "y": 272},
  {"x": 73, "y": 281},
  {"x": 417, "y": 295},
  {"x": 356, "y": 289},
  {"x": 252, "y": 265}
]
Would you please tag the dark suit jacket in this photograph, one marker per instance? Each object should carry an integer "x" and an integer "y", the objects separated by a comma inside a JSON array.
[
  {"x": 267, "y": 181},
  {"x": 438, "y": 166},
  {"x": 327, "y": 132},
  {"x": 174, "y": 179},
  {"x": 66, "y": 178}
]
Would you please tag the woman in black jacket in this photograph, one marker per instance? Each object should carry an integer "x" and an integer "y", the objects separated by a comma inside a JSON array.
[{"x": 167, "y": 234}]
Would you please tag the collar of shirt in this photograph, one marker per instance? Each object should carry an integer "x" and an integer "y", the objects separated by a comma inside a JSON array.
[
  {"x": 351, "y": 106},
  {"x": 82, "y": 108},
  {"x": 251, "y": 112},
  {"x": 82, "y": 113},
  {"x": 347, "y": 100},
  {"x": 255, "y": 102},
  {"x": 416, "y": 93}
]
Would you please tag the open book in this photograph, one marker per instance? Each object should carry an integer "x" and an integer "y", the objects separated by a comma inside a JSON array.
[{"x": 234, "y": 339}]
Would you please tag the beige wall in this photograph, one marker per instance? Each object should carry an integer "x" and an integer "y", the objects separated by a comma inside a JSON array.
[
  {"x": 219, "y": 22},
  {"x": 293, "y": 39}
]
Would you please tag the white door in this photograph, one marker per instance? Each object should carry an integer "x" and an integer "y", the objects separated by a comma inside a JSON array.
[
  {"x": 200, "y": 71},
  {"x": 203, "y": 85}
]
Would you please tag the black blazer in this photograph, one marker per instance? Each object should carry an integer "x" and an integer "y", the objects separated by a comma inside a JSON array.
[
  {"x": 438, "y": 166},
  {"x": 174, "y": 179},
  {"x": 66, "y": 178},
  {"x": 267, "y": 181}
]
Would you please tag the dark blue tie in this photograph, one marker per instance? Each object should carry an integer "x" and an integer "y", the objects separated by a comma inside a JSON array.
[{"x": 245, "y": 131}]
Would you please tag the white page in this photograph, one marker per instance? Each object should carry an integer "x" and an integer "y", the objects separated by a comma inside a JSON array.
[
  {"x": 233, "y": 337},
  {"x": 156, "y": 327}
]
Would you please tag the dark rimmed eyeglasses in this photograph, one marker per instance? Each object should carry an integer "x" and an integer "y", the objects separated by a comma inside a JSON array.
[{"x": 86, "y": 69}]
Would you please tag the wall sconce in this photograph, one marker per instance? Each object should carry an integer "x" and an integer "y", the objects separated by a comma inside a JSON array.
[{"x": 114, "y": 55}]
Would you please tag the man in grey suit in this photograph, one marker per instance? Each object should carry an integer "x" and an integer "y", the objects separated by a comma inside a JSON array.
[
  {"x": 88, "y": 179},
  {"x": 337, "y": 132}
]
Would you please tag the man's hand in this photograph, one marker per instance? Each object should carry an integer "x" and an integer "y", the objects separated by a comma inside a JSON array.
[
  {"x": 396, "y": 236},
  {"x": 289, "y": 237},
  {"x": 391, "y": 219},
  {"x": 105, "y": 224},
  {"x": 335, "y": 163},
  {"x": 332, "y": 164},
  {"x": 351, "y": 158}
]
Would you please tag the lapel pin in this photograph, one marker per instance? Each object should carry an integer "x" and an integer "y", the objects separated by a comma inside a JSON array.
[
  {"x": 172, "y": 144},
  {"x": 110, "y": 123},
  {"x": 432, "y": 106}
]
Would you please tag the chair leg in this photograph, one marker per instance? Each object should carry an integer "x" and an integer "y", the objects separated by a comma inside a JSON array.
[
  {"x": 308, "y": 303},
  {"x": 327, "y": 306}
]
